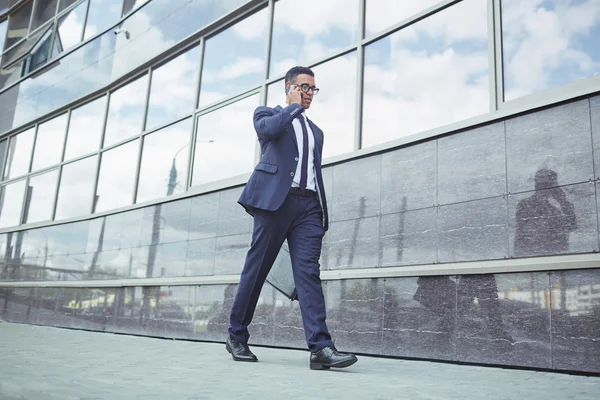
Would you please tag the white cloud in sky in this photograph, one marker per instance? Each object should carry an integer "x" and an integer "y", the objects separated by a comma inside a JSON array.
[{"x": 541, "y": 39}]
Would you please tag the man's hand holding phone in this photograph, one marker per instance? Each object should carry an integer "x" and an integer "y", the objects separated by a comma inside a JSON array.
[{"x": 295, "y": 94}]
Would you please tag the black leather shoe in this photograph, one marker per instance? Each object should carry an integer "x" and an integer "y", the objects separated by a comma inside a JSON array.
[
  {"x": 239, "y": 351},
  {"x": 330, "y": 358}
]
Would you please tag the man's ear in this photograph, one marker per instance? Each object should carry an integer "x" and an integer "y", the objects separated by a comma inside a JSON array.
[{"x": 287, "y": 88}]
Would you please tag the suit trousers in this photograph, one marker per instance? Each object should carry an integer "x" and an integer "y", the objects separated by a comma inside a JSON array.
[{"x": 299, "y": 219}]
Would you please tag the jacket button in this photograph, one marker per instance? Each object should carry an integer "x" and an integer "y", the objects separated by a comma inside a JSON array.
[
  {"x": 291, "y": 174},
  {"x": 296, "y": 159}
]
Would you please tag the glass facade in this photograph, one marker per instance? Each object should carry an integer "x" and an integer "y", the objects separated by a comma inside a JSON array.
[{"x": 429, "y": 68}]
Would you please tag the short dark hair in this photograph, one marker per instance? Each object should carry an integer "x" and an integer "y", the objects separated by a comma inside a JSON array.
[{"x": 293, "y": 73}]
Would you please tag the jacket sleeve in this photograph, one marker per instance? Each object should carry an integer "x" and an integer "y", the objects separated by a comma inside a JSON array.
[{"x": 269, "y": 126}]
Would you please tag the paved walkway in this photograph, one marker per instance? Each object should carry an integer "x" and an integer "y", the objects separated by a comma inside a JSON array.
[{"x": 43, "y": 363}]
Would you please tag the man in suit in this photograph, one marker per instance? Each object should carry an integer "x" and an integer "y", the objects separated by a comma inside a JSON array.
[{"x": 285, "y": 195}]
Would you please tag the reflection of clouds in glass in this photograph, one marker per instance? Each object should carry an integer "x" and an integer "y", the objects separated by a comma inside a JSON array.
[
  {"x": 299, "y": 39},
  {"x": 233, "y": 60},
  {"x": 3, "y": 28},
  {"x": 101, "y": 14},
  {"x": 49, "y": 143},
  {"x": 70, "y": 27},
  {"x": 381, "y": 14},
  {"x": 19, "y": 154},
  {"x": 85, "y": 128},
  {"x": 76, "y": 188},
  {"x": 11, "y": 203},
  {"x": 173, "y": 88},
  {"x": 429, "y": 74},
  {"x": 117, "y": 176},
  {"x": 160, "y": 148},
  {"x": 109, "y": 56},
  {"x": 126, "y": 111},
  {"x": 42, "y": 189},
  {"x": 543, "y": 50},
  {"x": 333, "y": 109},
  {"x": 234, "y": 146}
]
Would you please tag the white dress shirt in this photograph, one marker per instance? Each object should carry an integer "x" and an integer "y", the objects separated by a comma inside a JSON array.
[{"x": 310, "y": 181}]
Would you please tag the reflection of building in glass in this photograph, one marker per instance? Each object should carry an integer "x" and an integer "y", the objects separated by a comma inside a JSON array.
[{"x": 126, "y": 136}]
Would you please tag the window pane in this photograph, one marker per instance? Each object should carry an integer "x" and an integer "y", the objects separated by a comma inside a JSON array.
[
  {"x": 130, "y": 5},
  {"x": 18, "y": 24},
  {"x": 11, "y": 203},
  {"x": 117, "y": 175},
  {"x": 333, "y": 108},
  {"x": 85, "y": 128},
  {"x": 299, "y": 39},
  {"x": 381, "y": 14},
  {"x": 173, "y": 89},
  {"x": 44, "y": 11},
  {"x": 70, "y": 28},
  {"x": 19, "y": 154},
  {"x": 42, "y": 189},
  {"x": 3, "y": 28},
  {"x": 234, "y": 60},
  {"x": 49, "y": 143},
  {"x": 430, "y": 74},
  {"x": 2, "y": 154},
  {"x": 548, "y": 44},
  {"x": 101, "y": 15},
  {"x": 40, "y": 53},
  {"x": 126, "y": 111},
  {"x": 63, "y": 4},
  {"x": 226, "y": 142},
  {"x": 76, "y": 188},
  {"x": 24, "y": 48},
  {"x": 164, "y": 161}
]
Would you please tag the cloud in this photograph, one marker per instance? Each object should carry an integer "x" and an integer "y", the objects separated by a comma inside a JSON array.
[
  {"x": 381, "y": 14},
  {"x": 427, "y": 75},
  {"x": 545, "y": 46},
  {"x": 243, "y": 66}
]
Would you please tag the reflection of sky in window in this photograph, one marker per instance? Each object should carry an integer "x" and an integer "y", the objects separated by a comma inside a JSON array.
[
  {"x": 299, "y": 39},
  {"x": 3, "y": 27},
  {"x": 85, "y": 128},
  {"x": 76, "y": 188},
  {"x": 234, "y": 142},
  {"x": 19, "y": 154},
  {"x": 102, "y": 14},
  {"x": 49, "y": 143},
  {"x": 426, "y": 75},
  {"x": 381, "y": 14},
  {"x": 126, "y": 111},
  {"x": 161, "y": 148},
  {"x": 159, "y": 23},
  {"x": 70, "y": 27},
  {"x": 117, "y": 176},
  {"x": 544, "y": 50},
  {"x": 173, "y": 89},
  {"x": 42, "y": 189},
  {"x": 11, "y": 203},
  {"x": 234, "y": 59}
]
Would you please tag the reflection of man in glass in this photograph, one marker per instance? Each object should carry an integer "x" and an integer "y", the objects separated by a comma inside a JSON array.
[
  {"x": 545, "y": 219},
  {"x": 285, "y": 195}
]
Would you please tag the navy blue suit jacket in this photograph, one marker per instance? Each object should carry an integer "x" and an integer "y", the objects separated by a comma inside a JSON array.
[{"x": 272, "y": 178}]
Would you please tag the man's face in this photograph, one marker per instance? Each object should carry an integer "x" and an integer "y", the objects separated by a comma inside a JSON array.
[{"x": 307, "y": 96}]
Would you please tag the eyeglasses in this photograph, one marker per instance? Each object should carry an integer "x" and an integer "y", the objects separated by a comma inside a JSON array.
[{"x": 305, "y": 88}]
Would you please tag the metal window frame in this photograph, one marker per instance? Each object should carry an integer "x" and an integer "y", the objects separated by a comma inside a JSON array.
[{"x": 547, "y": 264}]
